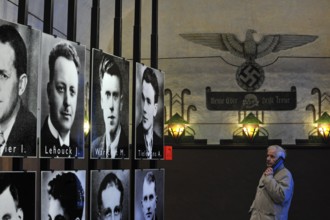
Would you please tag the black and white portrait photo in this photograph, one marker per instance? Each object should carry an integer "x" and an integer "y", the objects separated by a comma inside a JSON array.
[
  {"x": 149, "y": 194},
  {"x": 19, "y": 60},
  {"x": 62, "y": 98},
  {"x": 149, "y": 113},
  {"x": 63, "y": 195},
  {"x": 110, "y": 107},
  {"x": 18, "y": 195},
  {"x": 110, "y": 193}
]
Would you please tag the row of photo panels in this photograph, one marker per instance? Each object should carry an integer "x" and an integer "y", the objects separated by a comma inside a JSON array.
[
  {"x": 45, "y": 97},
  {"x": 63, "y": 195}
]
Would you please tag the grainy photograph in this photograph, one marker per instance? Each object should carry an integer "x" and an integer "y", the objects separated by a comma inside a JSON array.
[
  {"x": 18, "y": 195},
  {"x": 110, "y": 107},
  {"x": 19, "y": 61},
  {"x": 63, "y": 195},
  {"x": 149, "y": 194},
  {"x": 110, "y": 194},
  {"x": 62, "y": 98},
  {"x": 149, "y": 113}
]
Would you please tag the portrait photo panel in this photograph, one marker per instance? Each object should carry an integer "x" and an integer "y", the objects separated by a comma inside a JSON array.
[
  {"x": 63, "y": 194},
  {"x": 109, "y": 107},
  {"x": 62, "y": 98},
  {"x": 20, "y": 55},
  {"x": 149, "y": 113},
  {"x": 18, "y": 195},
  {"x": 149, "y": 194},
  {"x": 110, "y": 194}
]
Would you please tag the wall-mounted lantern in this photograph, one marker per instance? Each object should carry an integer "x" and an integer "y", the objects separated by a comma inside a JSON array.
[
  {"x": 176, "y": 126},
  {"x": 321, "y": 129},
  {"x": 251, "y": 126},
  {"x": 323, "y": 126}
]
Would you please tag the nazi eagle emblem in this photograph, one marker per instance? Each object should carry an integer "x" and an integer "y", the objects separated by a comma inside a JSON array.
[{"x": 250, "y": 75}]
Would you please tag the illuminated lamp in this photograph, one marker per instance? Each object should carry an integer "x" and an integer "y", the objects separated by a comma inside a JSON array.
[
  {"x": 86, "y": 127},
  {"x": 250, "y": 126},
  {"x": 323, "y": 126},
  {"x": 176, "y": 126}
]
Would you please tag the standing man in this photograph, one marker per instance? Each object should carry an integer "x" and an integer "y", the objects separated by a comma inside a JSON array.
[
  {"x": 114, "y": 142},
  {"x": 66, "y": 197},
  {"x": 149, "y": 197},
  {"x": 275, "y": 189},
  {"x": 148, "y": 143},
  {"x": 17, "y": 123},
  {"x": 62, "y": 92},
  {"x": 110, "y": 198}
]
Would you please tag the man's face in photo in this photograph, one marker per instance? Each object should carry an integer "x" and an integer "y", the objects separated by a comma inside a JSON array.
[
  {"x": 9, "y": 83},
  {"x": 149, "y": 106},
  {"x": 55, "y": 210},
  {"x": 62, "y": 94},
  {"x": 8, "y": 209},
  {"x": 111, "y": 204},
  {"x": 111, "y": 102},
  {"x": 149, "y": 200}
]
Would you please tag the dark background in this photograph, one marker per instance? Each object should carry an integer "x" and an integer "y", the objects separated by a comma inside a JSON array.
[{"x": 220, "y": 182}]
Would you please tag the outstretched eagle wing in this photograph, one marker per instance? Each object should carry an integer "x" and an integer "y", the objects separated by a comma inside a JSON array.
[
  {"x": 268, "y": 43},
  {"x": 275, "y": 43},
  {"x": 221, "y": 41}
]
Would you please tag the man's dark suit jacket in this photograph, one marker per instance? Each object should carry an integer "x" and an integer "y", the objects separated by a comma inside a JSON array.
[
  {"x": 49, "y": 142},
  {"x": 157, "y": 148},
  {"x": 23, "y": 132},
  {"x": 98, "y": 149}
]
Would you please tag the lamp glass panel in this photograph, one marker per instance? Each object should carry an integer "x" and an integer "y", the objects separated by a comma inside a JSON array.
[
  {"x": 250, "y": 130},
  {"x": 176, "y": 130},
  {"x": 324, "y": 130}
]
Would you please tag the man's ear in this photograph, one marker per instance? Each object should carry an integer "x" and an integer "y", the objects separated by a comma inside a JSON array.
[
  {"x": 20, "y": 214},
  {"x": 155, "y": 109},
  {"x": 22, "y": 82}
]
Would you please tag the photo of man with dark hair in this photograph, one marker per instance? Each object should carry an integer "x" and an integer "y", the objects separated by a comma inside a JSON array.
[
  {"x": 149, "y": 194},
  {"x": 149, "y": 143},
  {"x": 63, "y": 195},
  {"x": 63, "y": 89},
  {"x": 110, "y": 194},
  {"x": 18, "y": 125},
  {"x": 17, "y": 195},
  {"x": 112, "y": 87}
]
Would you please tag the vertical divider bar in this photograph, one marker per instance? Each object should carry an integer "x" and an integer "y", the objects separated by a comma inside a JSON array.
[
  {"x": 44, "y": 164},
  {"x": 48, "y": 29},
  {"x": 154, "y": 48},
  {"x": 95, "y": 29},
  {"x": 94, "y": 43},
  {"x": 136, "y": 58},
  {"x": 71, "y": 35},
  {"x": 117, "y": 45}
]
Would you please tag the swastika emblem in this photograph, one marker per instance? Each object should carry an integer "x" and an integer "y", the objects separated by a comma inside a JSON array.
[{"x": 250, "y": 76}]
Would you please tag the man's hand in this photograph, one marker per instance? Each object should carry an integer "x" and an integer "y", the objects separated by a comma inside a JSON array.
[{"x": 268, "y": 171}]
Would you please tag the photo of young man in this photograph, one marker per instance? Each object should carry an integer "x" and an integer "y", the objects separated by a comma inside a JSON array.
[
  {"x": 149, "y": 194},
  {"x": 110, "y": 103},
  {"x": 110, "y": 194},
  {"x": 149, "y": 117}
]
